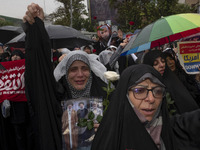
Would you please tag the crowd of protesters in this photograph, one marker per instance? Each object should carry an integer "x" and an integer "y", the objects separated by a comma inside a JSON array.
[{"x": 155, "y": 104}]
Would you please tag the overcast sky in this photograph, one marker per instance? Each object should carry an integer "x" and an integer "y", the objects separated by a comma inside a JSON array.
[{"x": 17, "y": 8}]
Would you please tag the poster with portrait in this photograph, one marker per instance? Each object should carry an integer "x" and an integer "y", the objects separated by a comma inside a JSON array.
[
  {"x": 75, "y": 136},
  {"x": 101, "y": 11},
  {"x": 189, "y": 56}
]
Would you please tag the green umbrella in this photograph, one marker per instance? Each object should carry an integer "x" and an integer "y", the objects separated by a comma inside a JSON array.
[{"x": 165, "y": 30}]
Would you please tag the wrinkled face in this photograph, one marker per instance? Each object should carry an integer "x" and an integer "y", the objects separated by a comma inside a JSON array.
[
  {"x": 104, "y": 33},
  {"x": 78, "y": 74},
  {"x": 171, "y": 63},
  {"x": 15, "y": 57},
  {"x": 159, "y": 65},
  {"x": 149, "y": 105}
]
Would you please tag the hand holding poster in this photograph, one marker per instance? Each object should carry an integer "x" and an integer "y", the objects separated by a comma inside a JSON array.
[{"x": 189, "y": 56}]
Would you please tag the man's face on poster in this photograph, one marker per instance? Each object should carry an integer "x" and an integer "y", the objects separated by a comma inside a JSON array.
[
  {"x": 69, "y": 106},
  {"x": 81, "y": 106},
  {"x": 104, "y": 33}
]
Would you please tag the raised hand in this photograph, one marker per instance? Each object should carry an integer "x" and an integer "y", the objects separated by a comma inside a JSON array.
[{"x": 33, "y": 10}]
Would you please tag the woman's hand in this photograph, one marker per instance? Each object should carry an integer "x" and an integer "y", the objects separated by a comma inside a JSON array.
[
  {"x": 33, "y": 10},
  {"x": 96, "y": 125},
  {"x": 124, "y": 43}
]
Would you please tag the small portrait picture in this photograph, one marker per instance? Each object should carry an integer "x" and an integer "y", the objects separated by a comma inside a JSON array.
[{"x": 74, "y": 136}]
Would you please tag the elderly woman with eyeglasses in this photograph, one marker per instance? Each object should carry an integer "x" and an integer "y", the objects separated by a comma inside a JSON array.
[{"x": 137, "y": 117}]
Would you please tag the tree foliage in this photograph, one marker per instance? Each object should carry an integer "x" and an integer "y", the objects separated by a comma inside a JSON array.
[
  {"x": 144, "y": 12},
  {"x": 5, "y": 23},
  {"x": 62, "y": 14},
  {"x": 141, "y": 12}
]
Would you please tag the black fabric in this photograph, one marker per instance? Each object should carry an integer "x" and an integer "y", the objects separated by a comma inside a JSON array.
[
  {"x": 7, "y": 135},
  {"x": 4, "y": 57},
  {"x": 187, "y": 80},
  {"x": 124, "y": 62},
  {"x": 20, "y": 120},
  {"x": 120, "y": 128},
  {"x": 184, "y": 101},
  {"x": 186, "y": 129},
  {"x": 40, "y": 89},
  {"x": 19, "y": 112},
  {"x": 99, "y": 46},
  {"x": 150, "y": 57}
]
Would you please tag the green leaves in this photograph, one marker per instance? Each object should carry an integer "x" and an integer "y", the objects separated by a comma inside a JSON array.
[
  {"x": 99, "y": 118},
  {"x": 82, "y": 122},
  {"x": 170, "y": 104},
  {"x": 104, "y": 88},
  {"x": 89, "y": 122},
  {"x": 91, "y": 115}
]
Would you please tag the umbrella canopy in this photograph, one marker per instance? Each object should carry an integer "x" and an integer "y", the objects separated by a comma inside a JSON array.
[
  {"x": 9, "y": 32},
  {"x": 129, "y": 45},
  {"x": 194, "y": 37},
  {"x": 60, "y": 36},
  {"x": 18, "y": 41},
  {"x": 165, "y": 30}
]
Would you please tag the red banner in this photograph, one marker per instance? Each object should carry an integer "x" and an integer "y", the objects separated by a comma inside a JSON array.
[
  {"x": 12, "y": 82},
  {"x": 189, "y": 47}
]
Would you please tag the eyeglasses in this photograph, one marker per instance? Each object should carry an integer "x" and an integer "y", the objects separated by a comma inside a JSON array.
[{"x": 141, "y": 93}]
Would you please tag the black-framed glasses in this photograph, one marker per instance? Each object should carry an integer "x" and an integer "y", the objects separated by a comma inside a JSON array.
[{"x": 141, "y": 93}]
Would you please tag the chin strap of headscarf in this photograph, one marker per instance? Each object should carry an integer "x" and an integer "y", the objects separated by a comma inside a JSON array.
[{"x": 81, "y": 93}]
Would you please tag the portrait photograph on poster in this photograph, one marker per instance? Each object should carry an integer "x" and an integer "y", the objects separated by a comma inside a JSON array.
[{"x": 75, "y": 136}]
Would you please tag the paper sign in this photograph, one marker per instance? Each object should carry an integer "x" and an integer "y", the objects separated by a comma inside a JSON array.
[{"x": 189, "y": 56}]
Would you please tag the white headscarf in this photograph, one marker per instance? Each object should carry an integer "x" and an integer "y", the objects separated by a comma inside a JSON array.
[
  {"x": 104, "y": 56},
  {"x": 96, "y": 67}
]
